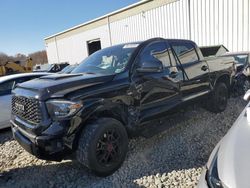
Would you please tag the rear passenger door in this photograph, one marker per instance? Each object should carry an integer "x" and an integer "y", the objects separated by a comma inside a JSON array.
[{"x": 196, "y": 78}]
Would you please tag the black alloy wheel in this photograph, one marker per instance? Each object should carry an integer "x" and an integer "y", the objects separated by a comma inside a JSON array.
[
  {"x": 108, "y": 148},
  {"x": 103, "y": 146}
]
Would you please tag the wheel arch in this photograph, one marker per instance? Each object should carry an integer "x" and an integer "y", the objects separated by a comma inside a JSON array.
[
  {"x": 224, "y": 78},
  {"x": 117, "y": 112}
]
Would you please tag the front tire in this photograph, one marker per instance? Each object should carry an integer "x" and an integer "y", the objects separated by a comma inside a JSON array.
[
  {"x": 103, "y": 146},
  {"x": 218, "y": 99}
]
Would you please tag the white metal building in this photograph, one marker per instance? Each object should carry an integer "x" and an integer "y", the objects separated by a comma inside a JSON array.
[{"x": 207, "y": 22}]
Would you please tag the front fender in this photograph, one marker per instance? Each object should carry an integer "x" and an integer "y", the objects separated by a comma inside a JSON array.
[{"x": 91, "y": 111}]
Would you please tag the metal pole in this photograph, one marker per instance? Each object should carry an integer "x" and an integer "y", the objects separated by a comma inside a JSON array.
[
  {"x": 57, "y": 51},
  {"x": 110, "y": 38},
  {"x": 189, "y": 19}
]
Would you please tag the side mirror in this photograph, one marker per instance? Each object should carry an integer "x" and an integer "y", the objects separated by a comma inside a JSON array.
[
  {"x": 150, "y": 67},
  {"x": 247, "y": 96}
]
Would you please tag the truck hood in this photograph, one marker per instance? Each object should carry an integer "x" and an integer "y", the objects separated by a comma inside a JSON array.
[
  {"x": 234, "y": 154},
  {"x": 58, "y": 85}
]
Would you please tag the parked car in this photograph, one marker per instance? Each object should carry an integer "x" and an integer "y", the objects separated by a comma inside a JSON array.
[
  {"x": 52, "y": 68},
  {"x": 228, "y": 165},
  {"x": 68, "y": 69},
  {"x": 41, "y": 67},
  {"x": 115, "y": 93},
  {"x": 6, "y": 85},
  {"x": 242, "y": 76}
]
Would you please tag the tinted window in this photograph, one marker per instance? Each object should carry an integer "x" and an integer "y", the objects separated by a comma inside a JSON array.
[
  {"x": 186, "y": 52},
  {"x": 156, "y": 50},
  {"x": 6, "y": 87},
  {"x": 25, "y": 79}
]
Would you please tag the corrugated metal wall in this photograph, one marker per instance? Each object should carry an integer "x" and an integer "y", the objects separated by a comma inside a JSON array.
[
  {"x": 207, "y": 22},
  {"x": 221, "y": 22},
  {"x": 169, "y": 21}
]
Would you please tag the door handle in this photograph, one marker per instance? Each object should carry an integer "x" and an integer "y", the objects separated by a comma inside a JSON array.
[
  {"x": 204, "y": 68},
  {"x": 172, "y": 76}
]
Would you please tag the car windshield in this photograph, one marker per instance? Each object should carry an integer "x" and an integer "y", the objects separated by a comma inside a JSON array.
[
  {"x": 68, "y": 69},
  {"x": 107, "y": 61},
  {"x": 5, "y": 88}
]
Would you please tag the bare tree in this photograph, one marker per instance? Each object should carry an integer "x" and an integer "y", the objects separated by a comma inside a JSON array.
[
  {"x": 3, "y": 58},
  {"x": 39, "y": 57}
]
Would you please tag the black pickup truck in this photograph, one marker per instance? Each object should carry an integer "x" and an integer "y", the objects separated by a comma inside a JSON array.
[{"x": 114, "y": 94}]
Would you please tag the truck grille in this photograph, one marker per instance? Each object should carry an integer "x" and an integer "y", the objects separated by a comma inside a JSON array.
[{"x": 26, "y": 109}]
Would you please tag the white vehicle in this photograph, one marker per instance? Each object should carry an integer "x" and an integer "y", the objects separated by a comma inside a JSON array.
[
  {"x": 6, "y": 85},
  {"x": 229, "y": 164}
]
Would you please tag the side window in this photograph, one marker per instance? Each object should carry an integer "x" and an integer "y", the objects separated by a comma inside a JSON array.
[
  {"x": 6, "y": 87},
  {"x": 186, "y": 52},
  {"x": 189, "y": 59},
  {"x": 156, "y": 50}
]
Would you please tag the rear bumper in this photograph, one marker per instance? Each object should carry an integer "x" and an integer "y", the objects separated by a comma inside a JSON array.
[{"x": 43, "y": 147}]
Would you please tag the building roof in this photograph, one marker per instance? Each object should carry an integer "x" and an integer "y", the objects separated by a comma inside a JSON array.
[
  {"x": 149, "y": 4},
  {"x": 99, "y": 18}
]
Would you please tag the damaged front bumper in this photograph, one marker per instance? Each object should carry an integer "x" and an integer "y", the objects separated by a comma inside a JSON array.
[{"x": 48, "y": 147}]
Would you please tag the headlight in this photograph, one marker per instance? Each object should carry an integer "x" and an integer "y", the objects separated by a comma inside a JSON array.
[
  {"x": 212, "y": 175},
  {"x": 62, "y": 108}
]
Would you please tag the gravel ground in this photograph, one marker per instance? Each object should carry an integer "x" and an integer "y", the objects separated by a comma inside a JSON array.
[{"x": 173, "y": 158}]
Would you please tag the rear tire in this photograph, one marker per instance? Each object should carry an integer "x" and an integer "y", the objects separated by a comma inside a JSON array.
[
  {"x": 218, "y": 99},
  {"x": 103, "y": 146}
]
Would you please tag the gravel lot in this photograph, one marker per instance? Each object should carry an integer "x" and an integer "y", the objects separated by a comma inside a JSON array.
[{"x": 173, "y": 158}]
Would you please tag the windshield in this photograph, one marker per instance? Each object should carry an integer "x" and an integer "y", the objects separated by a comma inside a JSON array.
[
  {"x": 67, "y": 69},
  {"x": 107, "y": 61}
]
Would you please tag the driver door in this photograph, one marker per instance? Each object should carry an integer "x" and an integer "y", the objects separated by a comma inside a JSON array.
[{"x": 159, "y": 92}]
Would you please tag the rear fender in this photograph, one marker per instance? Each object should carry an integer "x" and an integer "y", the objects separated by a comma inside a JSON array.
[{"x": 225, "y": 78}]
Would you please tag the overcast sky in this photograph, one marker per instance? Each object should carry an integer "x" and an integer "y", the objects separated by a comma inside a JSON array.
[{"x": 25, "y": 23}]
